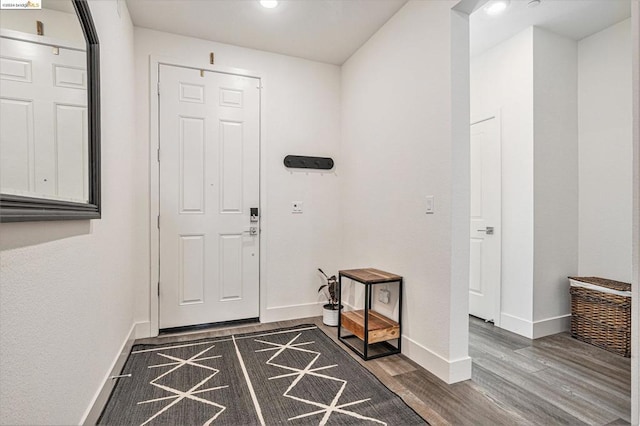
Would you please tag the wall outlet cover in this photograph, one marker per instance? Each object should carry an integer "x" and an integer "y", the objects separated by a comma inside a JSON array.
[{"x": 384, "y": 296}]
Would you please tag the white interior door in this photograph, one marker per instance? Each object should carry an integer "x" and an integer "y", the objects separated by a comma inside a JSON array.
[
  {"x": 43, "y": 115},
  {"x": 485, "y": 232},
  {"x": 209, "y": 181}
]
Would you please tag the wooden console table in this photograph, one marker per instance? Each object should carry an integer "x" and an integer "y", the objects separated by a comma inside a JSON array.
[{"x": 374, "y": 331}]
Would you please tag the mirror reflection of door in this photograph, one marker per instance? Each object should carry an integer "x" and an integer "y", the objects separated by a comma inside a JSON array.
[{"x": 43, "y": 104}]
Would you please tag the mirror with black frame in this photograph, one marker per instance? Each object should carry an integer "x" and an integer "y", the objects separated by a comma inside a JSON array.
[{"x": 49, "y": 113}]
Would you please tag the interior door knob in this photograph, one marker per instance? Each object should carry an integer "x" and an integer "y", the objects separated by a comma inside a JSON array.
[{"x": 488, "y": 230}]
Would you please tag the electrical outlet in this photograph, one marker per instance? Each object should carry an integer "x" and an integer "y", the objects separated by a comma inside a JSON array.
[
  {"x": 384, "y": 296},
  {"x": 296, "y": 207}
]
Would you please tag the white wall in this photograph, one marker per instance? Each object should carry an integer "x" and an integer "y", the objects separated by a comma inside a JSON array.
[
  {"x": 502, "y": 80},
  {"x": 397, "y": 148},
  {"x": 555, "y": 127},
  {"x": 66, "y": 305},
  {"x": 300, "y": 115},
  {"x": 604, "y": 85}
]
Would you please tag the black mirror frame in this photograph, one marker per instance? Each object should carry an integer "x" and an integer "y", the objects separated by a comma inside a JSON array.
[{"x": 15, "y": 208}]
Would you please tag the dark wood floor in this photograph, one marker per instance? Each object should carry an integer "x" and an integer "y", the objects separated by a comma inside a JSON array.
[{"x": 555, "y": 380}]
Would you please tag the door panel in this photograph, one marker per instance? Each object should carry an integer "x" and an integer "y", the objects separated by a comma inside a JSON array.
[
  {"x": 485, "y": 244},
  {"x": 209, "y": 180},
  {"x": 71, "y": 151},
  {"x": 475, "y": 283},
  {"x": 231, "y": 267},
  {"x": 17, "y": 145},
  {"x": 192, "y": 156},
  {"x": 231, "y": 167},
  {"x": 191, "y": 269}
]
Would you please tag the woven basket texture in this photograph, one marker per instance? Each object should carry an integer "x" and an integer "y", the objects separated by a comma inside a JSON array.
[
  {"x": 602, "y": 319},
  {"x": 603, "y": 282}
]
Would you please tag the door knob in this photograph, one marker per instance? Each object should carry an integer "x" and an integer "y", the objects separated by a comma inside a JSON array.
[{"x": 488, "y": 230}]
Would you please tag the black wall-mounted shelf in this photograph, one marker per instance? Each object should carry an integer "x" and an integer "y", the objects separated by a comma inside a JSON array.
[{"x": 304, "y": 162}]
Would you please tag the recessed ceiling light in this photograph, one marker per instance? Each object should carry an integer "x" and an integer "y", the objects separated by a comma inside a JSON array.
[
  {"x": 269, "y": 4},
  {"x": 496, "y": 7}
]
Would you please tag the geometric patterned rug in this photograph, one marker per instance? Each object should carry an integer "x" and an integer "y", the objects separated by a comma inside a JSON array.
[{"x": 294, "y": 376}]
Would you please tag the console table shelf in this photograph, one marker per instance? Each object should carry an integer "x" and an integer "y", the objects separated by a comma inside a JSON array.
[
  {"x": 381, "y": 328},
  {"x": 370, "y": 334}
]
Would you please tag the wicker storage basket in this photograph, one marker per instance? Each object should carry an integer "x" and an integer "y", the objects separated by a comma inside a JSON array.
[{"x": 600, "y": 318}]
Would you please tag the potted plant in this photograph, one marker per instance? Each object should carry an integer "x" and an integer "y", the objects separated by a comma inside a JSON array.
[{"x": 330, "y": 310}]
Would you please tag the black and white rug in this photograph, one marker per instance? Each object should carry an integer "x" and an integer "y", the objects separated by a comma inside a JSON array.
[{"x": 287, "y": 376}]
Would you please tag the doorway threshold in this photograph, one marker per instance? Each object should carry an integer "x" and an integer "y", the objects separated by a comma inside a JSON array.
[{"x": 208, "y": 326}]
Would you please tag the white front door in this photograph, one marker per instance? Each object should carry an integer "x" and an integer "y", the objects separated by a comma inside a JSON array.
[
  {"x": 209, "y": 181},
  {"x": 485, "y": 236}
]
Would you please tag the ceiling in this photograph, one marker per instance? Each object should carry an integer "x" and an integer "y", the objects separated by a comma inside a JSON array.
[
  {"x": 59, "y": 5},
  {"x": 575, "y": 19},
  {"x": 332, "y": 30},
  {"x": 321, "y": 30}
]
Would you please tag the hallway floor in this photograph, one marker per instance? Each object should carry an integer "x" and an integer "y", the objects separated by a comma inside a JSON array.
[{"x": 550, "y": 381}]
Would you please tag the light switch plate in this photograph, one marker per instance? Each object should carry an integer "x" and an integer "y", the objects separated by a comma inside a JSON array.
[
  {"x": 296, "y": 206},
  {"x": 430, "y": 204}
]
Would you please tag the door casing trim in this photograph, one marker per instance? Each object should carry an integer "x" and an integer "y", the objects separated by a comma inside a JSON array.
[{"x": 154, "y": 179}]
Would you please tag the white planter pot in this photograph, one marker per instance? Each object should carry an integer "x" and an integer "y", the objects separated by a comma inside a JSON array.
[{"x": 330, "y": 316}]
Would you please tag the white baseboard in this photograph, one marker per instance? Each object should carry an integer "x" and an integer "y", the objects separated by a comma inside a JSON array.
[
  {"x": 143, "y": 330},
  {"x": 516, "y": 325},
  {"x": 551, "y": 326},
  {"x": 447, "y": 371},
  {"x": 283, "y": 313},
  {"x": 101, "y": 397},
  {"x": 535, "y": 329}
]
